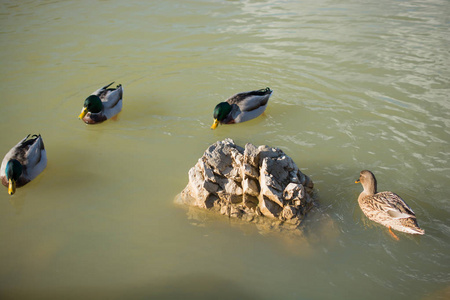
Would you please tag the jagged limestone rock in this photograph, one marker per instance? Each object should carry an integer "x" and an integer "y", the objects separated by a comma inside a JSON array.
[{"x": 249, "y": 182}]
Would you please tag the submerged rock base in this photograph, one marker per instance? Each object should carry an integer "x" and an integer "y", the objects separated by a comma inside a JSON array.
[{"x": 249, "y": 183}]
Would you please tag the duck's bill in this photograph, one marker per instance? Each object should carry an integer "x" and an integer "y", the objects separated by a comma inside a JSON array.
[
  {"x": 357, "y": 181},
  {"x": 215, "y": 124},
  {"x": 83, "y": 113},
  {"x": 11, "y": 187}
]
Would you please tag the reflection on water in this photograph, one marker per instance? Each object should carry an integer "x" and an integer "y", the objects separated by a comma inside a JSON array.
[
  {"x": 193, "y": 286},
  {"x": 17, "y": 203},
  {"x": 357, "y": 86}
]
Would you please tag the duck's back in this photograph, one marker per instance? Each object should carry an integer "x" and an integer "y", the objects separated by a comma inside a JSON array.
[{"x": 388, "y": 209}]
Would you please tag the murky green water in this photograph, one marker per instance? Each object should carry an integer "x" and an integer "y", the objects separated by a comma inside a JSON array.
[{"x": 358, "y": 85}]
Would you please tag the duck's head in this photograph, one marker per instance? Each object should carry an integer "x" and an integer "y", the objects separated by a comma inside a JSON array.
[
  {"x": 13, "y": 171},
  {"x": 92, "y": 104},
  {"x": 221, "y": 111},
  {"x": 368, "y": 181}
]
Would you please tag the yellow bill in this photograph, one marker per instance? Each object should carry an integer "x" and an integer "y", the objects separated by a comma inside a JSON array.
[
  {"x": 215, "y": 124},
  {"x": 83, "y": 113},
  {"x": 11, "y": 187}
]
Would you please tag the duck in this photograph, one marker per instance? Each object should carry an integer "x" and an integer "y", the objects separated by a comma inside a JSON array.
[
  {"x": 103, "y": 104},
  {"x": 241, "y": 107},
  {"x": 386, "y": 208},
  {"x": 24, "y": 162}
]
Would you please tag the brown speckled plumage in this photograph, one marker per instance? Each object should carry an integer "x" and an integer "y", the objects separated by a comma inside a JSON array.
[{"x": 386, "y": 208}]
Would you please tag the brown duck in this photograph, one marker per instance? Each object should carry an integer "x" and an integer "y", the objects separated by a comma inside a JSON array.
[{"x": 386, "y": 208}]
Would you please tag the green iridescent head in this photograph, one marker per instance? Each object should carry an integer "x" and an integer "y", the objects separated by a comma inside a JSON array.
[
  {"x": 92, "y": 104},
  {"x": 13, "y": 171},
  {"x": 221, "y": 111}
]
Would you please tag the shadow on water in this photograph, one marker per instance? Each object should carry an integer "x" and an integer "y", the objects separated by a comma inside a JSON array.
[
  {"x": 317, "y": 228},
  {"x": 195, "y": 286}
]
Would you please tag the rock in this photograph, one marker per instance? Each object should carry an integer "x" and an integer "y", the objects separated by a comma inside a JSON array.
[
  {"x": 250, "y": 187},
  {"x": 289, "y": 212},
  {"x": 249, "y": 170},
  {"x": 271, "y": 189},
  {"x": 293, "y": 192},
  {"x": 269, "y": 208},
  {"x": 250, "y": 202},
  {"x": 251, "y": 155},
  {"x": 197, "y": 186},
  {"x": 248, "y": 182}
]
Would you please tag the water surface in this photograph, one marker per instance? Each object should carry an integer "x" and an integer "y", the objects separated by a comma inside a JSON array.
[{"x": 358, "y": 85}]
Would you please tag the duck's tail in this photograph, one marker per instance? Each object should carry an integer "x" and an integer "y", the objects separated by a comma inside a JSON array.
[
  {"x": 417, "y": 230},
  {"x": 412, "y": 227}
]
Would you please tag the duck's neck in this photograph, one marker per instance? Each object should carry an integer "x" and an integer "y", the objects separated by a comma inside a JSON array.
[{"x": 370, "y": 188}]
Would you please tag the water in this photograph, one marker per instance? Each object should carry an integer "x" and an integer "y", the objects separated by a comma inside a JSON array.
[{"x": 358, "y": 85}]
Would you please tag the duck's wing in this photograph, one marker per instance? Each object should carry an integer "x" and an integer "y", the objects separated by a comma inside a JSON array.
[
  {"x": 111, "y": 97},
  {"x": 35, "y": 145},
  {"x": 35, "y": 157},
  {"x": 113, "y": 110},
  {"x": 102, "y": 91},
  {"x": 393, "y": 205},
  {"x": 248, "y": 101}
]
